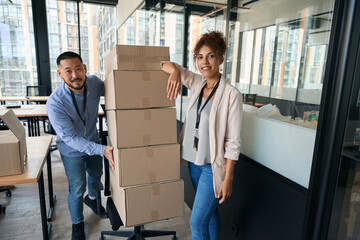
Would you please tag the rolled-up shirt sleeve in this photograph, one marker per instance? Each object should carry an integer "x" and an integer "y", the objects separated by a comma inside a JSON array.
[
  {"x": 63, "y": 126},
  {"x": 232, "y": 142}
]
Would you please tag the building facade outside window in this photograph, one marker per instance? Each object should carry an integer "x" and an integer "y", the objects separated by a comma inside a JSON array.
[
  {"x": 17, "y": 63},
  {"x": 97, "y": 26}
]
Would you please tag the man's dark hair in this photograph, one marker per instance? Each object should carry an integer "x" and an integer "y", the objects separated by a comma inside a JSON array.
[{"x": 67, "y": 55}]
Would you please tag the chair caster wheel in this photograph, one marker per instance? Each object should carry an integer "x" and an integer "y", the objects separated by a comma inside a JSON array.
[
  {"x": 2, "y": 209},
  {"x": 8, "y": 193},
  {"x": 174, "y": 238}
]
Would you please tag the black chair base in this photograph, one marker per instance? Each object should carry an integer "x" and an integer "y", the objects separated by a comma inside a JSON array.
[
  {"x": 139, "y": 233},
  {"x": 7, "y": 190},
  {"x": 2, "y": 209},
  {"x": 8, "y": 193}
]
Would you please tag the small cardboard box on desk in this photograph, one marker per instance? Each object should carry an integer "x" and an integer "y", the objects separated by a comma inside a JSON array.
[{"x": 12, "y": 146}]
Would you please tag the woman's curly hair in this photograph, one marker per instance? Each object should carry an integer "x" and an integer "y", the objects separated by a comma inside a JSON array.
[{"x": 214, "y": 40}]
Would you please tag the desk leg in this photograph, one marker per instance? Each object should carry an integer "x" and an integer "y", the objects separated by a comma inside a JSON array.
[
  {"x": 30, "y": 127},
  {"x": 52, "y": 197},
  {"x": 37, "y": 126},
  {"x": 33, "y": 126},
  {"x": 46, "y": 228}
]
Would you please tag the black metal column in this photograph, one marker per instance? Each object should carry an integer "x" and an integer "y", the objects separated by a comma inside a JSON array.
[
  {"x": 79, "y": 28},
  {"x": 41, "y": 44},
  {"x": 184, "y": 90}
]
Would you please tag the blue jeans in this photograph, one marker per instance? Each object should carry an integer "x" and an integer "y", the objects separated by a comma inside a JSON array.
[
  {"x": 204, "y": 222},
  {"x": 75, "y": 169}
]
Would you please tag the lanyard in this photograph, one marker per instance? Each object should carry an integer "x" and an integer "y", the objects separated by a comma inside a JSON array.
[
  {"x": 200, "y": 100},
  {"x": 83, "y": 119}
]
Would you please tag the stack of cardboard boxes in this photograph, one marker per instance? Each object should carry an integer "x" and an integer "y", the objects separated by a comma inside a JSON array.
[{"x": 146, "y": 183}]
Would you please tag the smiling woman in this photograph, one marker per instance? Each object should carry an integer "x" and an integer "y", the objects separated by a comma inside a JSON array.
[{"x": 210, "y": 137}]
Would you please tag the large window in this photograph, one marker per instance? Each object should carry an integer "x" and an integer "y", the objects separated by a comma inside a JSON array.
[
  {"x": 17, "y": 63},
  {"x": 97, "y": 34}
]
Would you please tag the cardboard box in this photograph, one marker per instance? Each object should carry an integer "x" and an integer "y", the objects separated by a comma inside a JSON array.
[
  {"x": 148, "y": 203},
  {"x": 137, "y": 166},
  {"x": 12, "y": 146},
  {"x": 140, "y": 128},
  {"x": 136, "y": 89},
  {"x": 130, "y": 57}
]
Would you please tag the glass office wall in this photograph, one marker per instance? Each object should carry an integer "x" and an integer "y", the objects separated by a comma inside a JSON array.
[
  {"x": 97, "y": 34},
  {"x": 282, "y": 57},
  {"x": 17, "y": 48},
  {"x": 279, "y": 51}
]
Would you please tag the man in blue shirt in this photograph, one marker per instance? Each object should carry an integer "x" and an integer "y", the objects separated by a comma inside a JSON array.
[{"x": 73, "y": 112}]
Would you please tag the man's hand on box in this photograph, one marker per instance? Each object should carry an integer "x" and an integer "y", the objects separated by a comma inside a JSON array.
[
  {"x": 174, "y": 85},
  {"x": 108, "y": 153}
]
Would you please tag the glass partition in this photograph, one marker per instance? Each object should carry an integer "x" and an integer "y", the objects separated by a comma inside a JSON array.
[
  {"x": 315, "y": 53},
  {"x": 281, "y": 54},
  {"x": 280, "y": 50}
]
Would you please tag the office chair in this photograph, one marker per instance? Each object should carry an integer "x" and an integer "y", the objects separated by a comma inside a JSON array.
[
  {"x": 32, "y": 91},
  {"x": 139, "y": 233},
  {"x": 8, "y": 193}
]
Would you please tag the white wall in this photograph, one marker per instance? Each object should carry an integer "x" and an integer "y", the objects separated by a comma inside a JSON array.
[{"x": 282, "y": 147}]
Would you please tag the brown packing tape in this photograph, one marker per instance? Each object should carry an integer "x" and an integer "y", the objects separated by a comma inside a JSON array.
[
  {"x": 157, "y": 59},
  {"x": 152, "y": 177},
  {"x": 147, "y": 114},
  {"x": 155, "y": 189},
  {"x": 145, "y": 101},
  {"x": 114, "y": 62},
  {"x": 132, "y": 60},
  {"x": 149, "y": 152},
  {"x": 146, "y": 76},
  {"x": 154, "y": 215},
  {"x": 146, "y": 139}
]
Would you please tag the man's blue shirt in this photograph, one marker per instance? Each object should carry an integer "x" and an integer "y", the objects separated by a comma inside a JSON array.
[{"x": 67, "y": 123}]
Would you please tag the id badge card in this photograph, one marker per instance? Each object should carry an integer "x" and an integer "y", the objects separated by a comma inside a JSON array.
[{"x": 196, "y": 139}]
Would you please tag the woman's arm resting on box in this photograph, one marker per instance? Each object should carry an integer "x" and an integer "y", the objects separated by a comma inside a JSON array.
[{"x": 174, "y": 81}]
